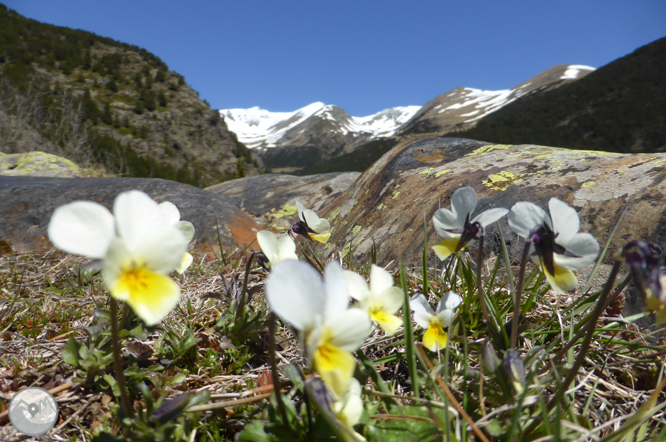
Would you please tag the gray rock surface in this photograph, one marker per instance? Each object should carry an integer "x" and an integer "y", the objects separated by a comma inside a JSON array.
[{"x": 27, "y": 203}]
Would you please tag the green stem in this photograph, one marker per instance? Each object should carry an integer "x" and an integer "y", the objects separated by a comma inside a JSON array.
[
  {"x": 274, "y": 371},
  {"x": 479, "y": 283},
  {"x": 118, "y": 365},
  {"x": 241, "y": 300},
  {"x": 519, "y": 293}
]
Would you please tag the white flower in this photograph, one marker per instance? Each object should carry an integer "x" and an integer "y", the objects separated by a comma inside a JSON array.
[
  {"x": 138, "y": 247},
  {"x": 349, "y": 409},
  {"x": 556, "y": 246},
  {"x": 318, "y": 310},
  {"x": 312, "y": 226},
  {"x": 455, "y": 226},
  {"x": 381, "y": 300},
  {"x": 435, "y": 338},
  {"x": 172, "y": 216},
  {"x": 276, "y": 250}
]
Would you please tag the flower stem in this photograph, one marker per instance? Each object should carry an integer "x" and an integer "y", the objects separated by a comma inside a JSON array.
[
  {"x": 118, "y": 365},
  {"x": 241, "y": 300},
  {"x": 519, "y": 293},
  {"x": 274, "y": 371},
  {"x": 598, "y": 310},
  {"x": 479, "y": 283}
]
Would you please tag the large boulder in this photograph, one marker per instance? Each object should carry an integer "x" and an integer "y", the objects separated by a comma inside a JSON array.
[
  {"x": 387, "y": 205},
  {"x": 37, "y": 164},
  {"x": 27, "y": 203},
  {"x": 276, "y": 194}
]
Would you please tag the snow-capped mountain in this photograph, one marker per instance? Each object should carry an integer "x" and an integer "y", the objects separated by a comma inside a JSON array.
[
  {"x": 256, "y": 127},
  {"x": 462, "y": 107}
]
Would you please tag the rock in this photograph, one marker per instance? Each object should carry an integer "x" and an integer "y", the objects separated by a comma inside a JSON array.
[
  {"x": 27, "y": 203},
  {"x": 37, "y": 164},
  {"x": 277, "y": 194},
  {"x": 389, "y": 202}
]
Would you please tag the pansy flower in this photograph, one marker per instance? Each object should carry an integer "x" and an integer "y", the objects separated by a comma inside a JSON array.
[
  {"x": 435, "y": 337},
  {"x": 172, "y": 215},
  {"x": 556, "y": 246},
  {"x": 138, "y": 245},
  {"x": 455, "y": 226},
  {"x": 274, "y": 250},
  {"x": 380, "y": 299},
  {"x": 349, "y": 409},
  {"x": 310, "y": 225},
  {"x": 318, "y": 310},
  {"x": 646, "y": 262}
]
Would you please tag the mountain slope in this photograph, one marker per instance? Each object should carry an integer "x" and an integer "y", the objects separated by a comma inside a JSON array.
[
  {"x": 98, "y": 101},
  {"x": 621, "y": 107},
  {"x": 463, "y": 106}
]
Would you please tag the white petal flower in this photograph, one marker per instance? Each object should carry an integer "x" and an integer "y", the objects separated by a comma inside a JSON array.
[
  {"x": 317, "y": 228},
  {"x": 455, "y": 226},
  {"x": 349, "y": 408},
  {"x": 318, "y": 310},
  {"x": 276, "y": 250},
  {"x": 139, "y": 248},
  {"x": 381, "y": 300},
  {"x": 434, "y": 322},
  {"x": 556, "y": 246}
]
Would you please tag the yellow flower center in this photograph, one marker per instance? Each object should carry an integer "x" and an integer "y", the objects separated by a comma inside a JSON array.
[{"x": 334, "y": 365}]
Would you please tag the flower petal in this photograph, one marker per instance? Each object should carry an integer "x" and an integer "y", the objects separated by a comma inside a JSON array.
[
  {"x": 286, "y": 248},
  {"x": 423, "y": 312},
  {"x": 187, "y": 229},
  {"x": 136, "y": 215},
  {"x": 446, "y": 247},
  {"x": 357, "y": 286},
  {"x": 82, "y": 228},
  {"x": 300, "y": 209},
  {"x": 388, "y": 322},
  {"x": 582, "y": 244},
  {"x": 348, "y": 329},
  {"x": 269, "y": 245},
  {"x": 335, "y": 366},
  {"x": 350, "y": 409},
  {"x": 435, "y": 338},
  {"x": 525, "y": 216},
  {"x": 151, "y": 295},
  {"x": 449, "y": 301},
  {"x": 337, "y": 292},
  {"x": 490, "y": 216},
  {"x": 380, "y": 279},
  {"x": 390, "y": 300},
  {"x": 185, "y": 263},
  {"x": 444, "y": 220},
  {"x": 562, "y": 281},
  {"x": 295, "y": 292},
  {"x": 161, "y": 250},
  {"x": 566, "y": 222},
  {"x": 170, "y": 212},
  {"x": 463, "y": 202},
  {"x": 321, "y": 237}
]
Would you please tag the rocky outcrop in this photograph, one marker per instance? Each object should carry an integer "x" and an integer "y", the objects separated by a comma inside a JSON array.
[
  {"x": 388, "y": 204},
  {"x": 37, "y": 164},
  {"x": 27, "y": 203},
  {"x": 276, "y": 194}
]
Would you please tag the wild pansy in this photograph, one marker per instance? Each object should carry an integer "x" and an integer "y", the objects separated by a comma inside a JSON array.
[
  {"x": 274, "y": 250},
  {"x": 434, "y": 322},
  {"x": 349, "y": 408},
  {"x": 455, "y": 226},
  {"x": 645, "y": 263},
  {"x": 310, "y": 225},
  {"x": 555, "y": 244},
  {"x": 138, "y": 245},
  {"x": 318, "y": 310},
  {"x": 380, "y": 299},
  {"x": 172, "y": 216}
]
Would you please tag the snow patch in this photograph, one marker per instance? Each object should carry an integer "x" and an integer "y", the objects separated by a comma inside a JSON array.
[{"x": 573, "y": 70}]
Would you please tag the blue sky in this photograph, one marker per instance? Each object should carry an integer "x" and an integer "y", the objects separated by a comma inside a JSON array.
[{"x": 362, "y": 55}]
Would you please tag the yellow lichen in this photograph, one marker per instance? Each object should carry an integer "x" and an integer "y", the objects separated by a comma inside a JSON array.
[
  {"x": 442, "y": 172},
  {"x": 335, "y": 213},
  {"x": 396, "y": 194},
  {"x": 543, "y": 157},
  {"x": 286, "y": 210},
  {"x": 381, "y": 207},
  {"x": 588, "y": 184},
  {"x": 500, "y": 180},
  {"x": 487, "y": 149},
  {"x": 427, "y": 171},
  {"x": 355, "y": 230}
]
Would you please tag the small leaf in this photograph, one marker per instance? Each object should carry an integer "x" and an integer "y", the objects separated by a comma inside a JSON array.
[{"x": 70, "y": 353}]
